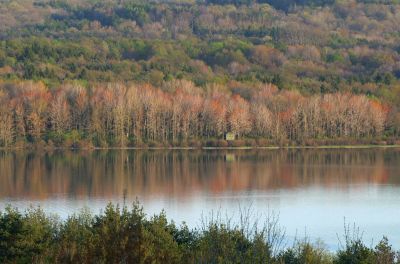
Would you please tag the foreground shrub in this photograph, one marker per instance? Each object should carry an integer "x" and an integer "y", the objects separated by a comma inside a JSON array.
[
  {"x": 26, "y": 237},
  {"x": 76, "y": 240},
  {"x": 355, "y": 251},
  {"x": 305, "y": 252},
  {"x": 119, "y": 235}
]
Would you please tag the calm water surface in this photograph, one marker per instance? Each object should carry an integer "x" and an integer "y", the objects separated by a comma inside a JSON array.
[{"x": 314, "y": 191}]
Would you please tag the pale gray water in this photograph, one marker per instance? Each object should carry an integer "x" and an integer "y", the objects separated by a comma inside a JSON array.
[{"x": 313, "y": 190}]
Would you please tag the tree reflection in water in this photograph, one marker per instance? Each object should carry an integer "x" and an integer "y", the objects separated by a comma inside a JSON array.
[{"x": 182, "y": 173}]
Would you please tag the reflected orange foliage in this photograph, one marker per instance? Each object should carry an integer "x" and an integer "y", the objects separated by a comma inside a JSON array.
[{"x": 107, "y": 174}]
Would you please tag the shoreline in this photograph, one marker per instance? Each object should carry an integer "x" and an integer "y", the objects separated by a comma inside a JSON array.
[{"x": 367, "y": 146}]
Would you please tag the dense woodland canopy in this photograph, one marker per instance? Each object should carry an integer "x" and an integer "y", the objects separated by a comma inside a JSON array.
[{"x": 176, "y": 71}]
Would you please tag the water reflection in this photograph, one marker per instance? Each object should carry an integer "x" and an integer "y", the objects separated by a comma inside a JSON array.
[
  {"x": 180, "y": 174},
  {"x": 313, "y": 190}
]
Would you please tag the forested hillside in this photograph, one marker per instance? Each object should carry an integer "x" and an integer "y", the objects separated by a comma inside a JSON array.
[{"x": 288, "y": 70}]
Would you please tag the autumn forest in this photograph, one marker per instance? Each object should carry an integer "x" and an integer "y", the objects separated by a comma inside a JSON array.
[
  {"x": 119, "y": 115},
  {"x": 134, "y": 73},
  {"x": 282, "y": 115}
]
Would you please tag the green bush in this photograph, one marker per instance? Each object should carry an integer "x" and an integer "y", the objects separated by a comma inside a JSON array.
[
  {"x": 26, "y": 237},
  {"x": 305, "y": 252},
  {"x": 120, "y": 235}
]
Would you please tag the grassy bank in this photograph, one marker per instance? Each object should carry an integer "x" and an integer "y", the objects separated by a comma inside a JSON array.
[
  {"x": 216, "y": 144},
  {"x": 122, "y": 235}
]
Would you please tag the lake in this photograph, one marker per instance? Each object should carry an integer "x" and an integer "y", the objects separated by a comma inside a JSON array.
[{"x": 314, "y": 191}]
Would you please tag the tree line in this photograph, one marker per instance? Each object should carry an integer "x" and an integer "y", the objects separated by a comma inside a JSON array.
[{"x": 178, "y": 112}]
